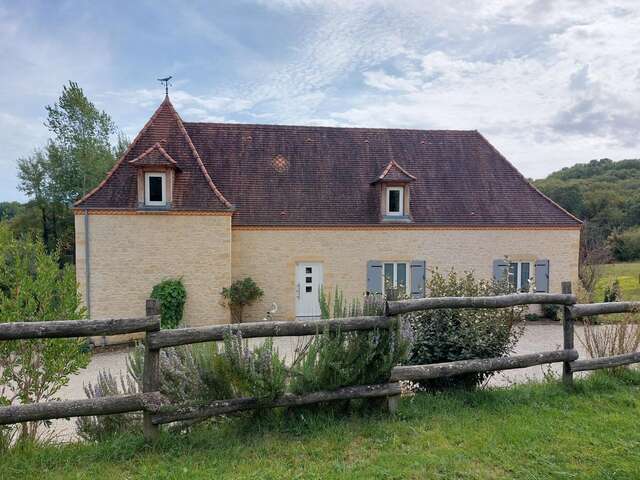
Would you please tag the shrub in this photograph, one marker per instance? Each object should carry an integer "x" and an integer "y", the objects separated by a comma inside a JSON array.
[
  {"x": 240, "y": 294},
  {"x": 612, "y": 292},
  {"x": 551, "y": 311},
  {"x": 172, "y": 296},
  {"x": 612, "y": 339},
  {"x": 34, "y": 288},
  {"x": 333, "y": 360},
  {"x": 101, "y": 427},
  {"x": 259, "y": 373},
  {"x": 531, "y": 317},
  {"x": 446, "y": 335},
  {"x": 625, "y": 246}
]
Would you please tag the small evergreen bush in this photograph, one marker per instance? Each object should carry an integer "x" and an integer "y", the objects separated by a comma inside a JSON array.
[
  {"x": 550, "y": 311},
  {"x": 172, "y": 296},
  {"x": 446, "y": 335},
  {"x": 240, "y": 294},
  {"x": 612, "y": 292}
]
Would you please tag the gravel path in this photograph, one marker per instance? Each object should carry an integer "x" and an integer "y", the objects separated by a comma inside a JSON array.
[{"x": 537, "y": 337}]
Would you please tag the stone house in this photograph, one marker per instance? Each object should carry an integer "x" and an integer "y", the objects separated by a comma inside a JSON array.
[{"x": 298, "y": 207}]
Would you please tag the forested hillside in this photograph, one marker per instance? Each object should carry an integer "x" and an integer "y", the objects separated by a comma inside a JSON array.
[{"x": 606, "y": 194}]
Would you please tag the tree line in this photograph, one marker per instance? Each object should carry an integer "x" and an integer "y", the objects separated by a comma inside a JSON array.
[
  {"x": 83, "y": 145},
  {"x": 606, "y": 196}
]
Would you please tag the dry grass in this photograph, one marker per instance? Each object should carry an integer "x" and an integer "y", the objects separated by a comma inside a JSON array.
[{"x": 611, "y": 339}]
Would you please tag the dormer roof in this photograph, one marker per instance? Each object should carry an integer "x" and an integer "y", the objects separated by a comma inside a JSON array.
[
  {"x": 393, "y": 172},
  {"x": 156, "y": 156}
]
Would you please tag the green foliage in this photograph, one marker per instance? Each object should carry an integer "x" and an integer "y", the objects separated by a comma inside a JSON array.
[
  {"x": 551, "y": 311},
  {"x": 612, "y": 292},
  {"x": 604, "y": 193},
  {"x": 446, "y": 335},
  {"x": 259, "y": 373},
  {"x": 625, "y": 246},
  {"x": 104, "y": 426},
  {"x": 338, "y": 307},
  {"x": 497, "y": 433},
  {"x": 172, "y": 296},
  {"x": 332, "y": 360},
  {"x": 34, "y": 288},
  {"x": 76, "y": 158},
  {"x": 240, "y": 294}
]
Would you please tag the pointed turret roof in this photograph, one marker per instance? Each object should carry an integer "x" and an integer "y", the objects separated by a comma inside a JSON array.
[{"x": 163, "y": 139}]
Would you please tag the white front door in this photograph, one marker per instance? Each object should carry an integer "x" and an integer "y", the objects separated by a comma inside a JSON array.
[{"x": 308, "y": 283}]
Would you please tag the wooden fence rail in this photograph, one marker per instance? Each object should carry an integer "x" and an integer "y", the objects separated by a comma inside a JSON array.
[
  {"x": 75, "y": 328},
  {"x": 591, "y": 309},
  {"x": 479, "y": 365},
  {"x": 497, "y": 301},
  {"x": 113, "y": 404},
  {"x": 156, "y": 411},
  {"x": 183, "y": 336}
]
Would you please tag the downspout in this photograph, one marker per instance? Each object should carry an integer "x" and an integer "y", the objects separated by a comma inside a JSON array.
[{"x": 87, "y": 264}]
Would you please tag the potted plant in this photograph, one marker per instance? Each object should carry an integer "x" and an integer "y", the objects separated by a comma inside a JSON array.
[{"x": 239, "y": 294}]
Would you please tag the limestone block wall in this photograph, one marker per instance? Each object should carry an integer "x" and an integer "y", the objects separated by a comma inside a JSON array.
[
  {"x": 130, "y": 253},
  {"x": 269, "y": 255}
]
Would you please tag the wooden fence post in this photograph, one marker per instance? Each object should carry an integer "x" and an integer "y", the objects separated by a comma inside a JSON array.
[
  {"x": 151, "y": 373},
  {"x": 567, "y": 330},
  {"x": 392, "y": 402}
]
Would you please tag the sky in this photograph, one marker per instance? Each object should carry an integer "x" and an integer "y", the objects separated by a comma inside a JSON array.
[{"x": 549, "y": 83}]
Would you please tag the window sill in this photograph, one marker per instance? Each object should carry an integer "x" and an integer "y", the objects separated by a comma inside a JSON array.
[
  {"x": 396, "y": 219},
  {"x": 154, "y": 207}
]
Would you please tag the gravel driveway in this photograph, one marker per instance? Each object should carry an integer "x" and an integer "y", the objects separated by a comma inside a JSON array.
[{"x": 537, "y": 337}]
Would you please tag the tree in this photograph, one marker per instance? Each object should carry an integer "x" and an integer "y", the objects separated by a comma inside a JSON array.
[
  {"x": 34, "y": 288},
  {"x": 76, "y": 158}
]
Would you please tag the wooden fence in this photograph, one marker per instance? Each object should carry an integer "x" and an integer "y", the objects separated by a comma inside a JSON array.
[{"x": 157, "y": 411}]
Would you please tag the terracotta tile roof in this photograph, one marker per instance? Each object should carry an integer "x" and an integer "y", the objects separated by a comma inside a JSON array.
[
  {"x": 193, "y": 188},
  {"x": 154, "y": 156},
  {"x": 298, "y": 175},
  {"x": 394, "y": 173}
]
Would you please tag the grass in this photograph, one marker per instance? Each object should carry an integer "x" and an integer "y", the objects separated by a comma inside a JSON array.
[
  {"x": 628, "y": 274},
  {"x": 535, "y": 431}
]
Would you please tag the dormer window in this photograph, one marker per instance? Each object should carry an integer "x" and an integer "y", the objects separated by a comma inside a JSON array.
[
  {"x": 394, "y": 189},
  {"x": 395, "y": 201},
  {"x": 156, "y": 177},
  {"x": 155, "y": 184}
]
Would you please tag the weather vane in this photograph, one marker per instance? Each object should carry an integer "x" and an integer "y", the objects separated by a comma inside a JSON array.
[{"x": 166, "y": 83}]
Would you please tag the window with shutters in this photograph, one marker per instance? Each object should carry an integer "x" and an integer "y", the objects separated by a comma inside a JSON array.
[
  {"x": 520, "y": 276},
  {"x": 396, "y": 276}
]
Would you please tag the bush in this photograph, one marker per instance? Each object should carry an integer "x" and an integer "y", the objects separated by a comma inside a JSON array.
[
  {"x": 334, "y": 360},
  {"x": 446, "y": 335},
  {"x": 612, "y": 292},
  {"x": 240, "y": 294},
  {"x": 616, "y": 338},
  {"x": 626, "y": 245},
  {"x": 551, "y": 311},
  {"x": 34, "y": 288},
  {"x": 531, "y": 317},
  {"x": 172, "y": 296}
]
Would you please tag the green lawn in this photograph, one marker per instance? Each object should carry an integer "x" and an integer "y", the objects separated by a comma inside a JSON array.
[
  {"x": 628, "y": 274},
  {"x": 536, "y": 431}
]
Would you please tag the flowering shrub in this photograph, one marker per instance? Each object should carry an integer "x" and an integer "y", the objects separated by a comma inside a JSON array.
[
  {"x": 332, "y": 360},
  {"x": 446, "y": 335}
]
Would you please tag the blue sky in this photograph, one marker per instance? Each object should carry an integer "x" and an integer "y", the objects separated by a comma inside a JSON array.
[{"x": 549, "y": 83}]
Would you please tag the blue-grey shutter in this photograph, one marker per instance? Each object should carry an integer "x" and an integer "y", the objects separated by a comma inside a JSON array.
[
  {"x": 542, "y": 276},
  {"x": 374, "y": 277},
  {"x": 500, "y": 269},
  {"x": 418, "y": 277}
]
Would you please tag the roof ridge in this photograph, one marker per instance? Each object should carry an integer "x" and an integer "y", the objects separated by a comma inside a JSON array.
[
  {"x": 203, "y": 169},
  {"x": 330, "y": 127},
  {"x": 527, "y": 182},
  {"x": 123, "y": 156}
]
